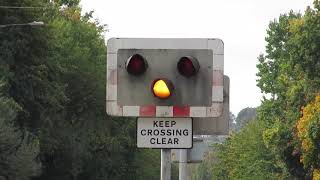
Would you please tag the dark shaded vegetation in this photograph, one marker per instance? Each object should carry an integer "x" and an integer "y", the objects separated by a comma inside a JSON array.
[{"x": 53, "y": 123}]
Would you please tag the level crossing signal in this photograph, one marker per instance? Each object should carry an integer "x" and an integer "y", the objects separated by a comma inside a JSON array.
[{"x": 165, "y": 77}]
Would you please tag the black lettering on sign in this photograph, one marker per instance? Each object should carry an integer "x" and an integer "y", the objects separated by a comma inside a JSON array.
[
  {"x": 149, "y": 132},
  {"x": 155, "y": 124},
  {"x": 163, "y": 141},
  {"x": 158, "y": 141},
  {"x": 163, "y": 132},
  {"x": 169, "y": 132},
  {"x": 185, "y": 132},
  {"x": 152, "y": 141},
  {"x": 178, "y": 132},
  {"x": 164, "y": 123},
  {"x": 167, "y": 123},
  {"x": 143, "y": 132},
  {"x": 156, "y": 132}
]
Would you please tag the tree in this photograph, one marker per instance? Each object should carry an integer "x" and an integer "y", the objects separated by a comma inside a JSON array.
[
  {"x": 289, "y": 73},
  {"x": 244, "y": 116},
  {"x": 283, "y": 141},
  {"x": 18, "y": 149},
  {"x": 308, "y": 131},
  {"x": 243, "y": 156},
  {"x": 55, "y": 74}
]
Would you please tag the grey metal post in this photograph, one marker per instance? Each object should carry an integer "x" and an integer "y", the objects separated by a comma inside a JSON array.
[
  {"x": 165, "y": 164},
  {"x": 183, "y": 171}
]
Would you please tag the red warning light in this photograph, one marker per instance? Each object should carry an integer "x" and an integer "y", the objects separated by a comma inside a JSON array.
[
  {"x": 136, "y": 65},
  {"x": 188, "y": 66}
]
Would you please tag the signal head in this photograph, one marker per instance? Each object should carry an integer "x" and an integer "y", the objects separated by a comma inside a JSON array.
[
  {"x": 162, "y": 88},
  {"x": 188, "y": 66},
  {"x": 136, "y": 65}
]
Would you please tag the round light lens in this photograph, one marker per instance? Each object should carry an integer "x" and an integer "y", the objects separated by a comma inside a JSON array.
[
  {"x": 136, "y": 65},
  {"x": 162, "y": 88},
  {"x": 188, "y": 66}
]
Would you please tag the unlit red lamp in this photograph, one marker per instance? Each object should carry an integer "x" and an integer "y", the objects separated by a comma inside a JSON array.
[
  {"x": 188, "y": 66},
  {"x": 136, "y": 65}
]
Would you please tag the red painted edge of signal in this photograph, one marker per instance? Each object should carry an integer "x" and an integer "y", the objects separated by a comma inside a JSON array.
[
  {"x": 181, "y": 111},
  {"x": 112, "y": 79},
  {"x": 149, "y": 110},
  {"x": 217, "y": 78}
]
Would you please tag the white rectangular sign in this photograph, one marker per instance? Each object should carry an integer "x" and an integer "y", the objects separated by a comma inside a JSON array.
[{"x": 174, "y": 133}]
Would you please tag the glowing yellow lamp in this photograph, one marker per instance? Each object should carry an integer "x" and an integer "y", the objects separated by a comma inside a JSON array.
[{"x": 161, "y": 89}]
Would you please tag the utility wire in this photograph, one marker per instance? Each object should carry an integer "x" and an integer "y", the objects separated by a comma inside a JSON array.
[
  {"x": 22, "y": 7},
  {"x": 9, "y": 25},
  {"x": 34, "y": 23}
]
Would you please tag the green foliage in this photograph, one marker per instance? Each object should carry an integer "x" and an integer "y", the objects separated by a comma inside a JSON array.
[
  {"x": 68, "y": 3},
  {"x": 272, "y": 147},
  {"x": 308, "y": 131},
  {"x": 245, "y": 156},
  {"x": 148, "y": 163},
  {"x": 55, "y": 74},
  {"x": 18, "y": 148},
  {"x": 52, "y": 103},
  {"x": 84, "y": 143},
  {"x": 289, "y": 73}
]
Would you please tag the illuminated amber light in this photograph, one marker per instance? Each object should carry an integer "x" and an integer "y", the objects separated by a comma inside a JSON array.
[{"x": 161, "y": 89}]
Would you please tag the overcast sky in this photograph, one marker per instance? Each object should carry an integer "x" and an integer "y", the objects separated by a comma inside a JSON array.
[{"x": 241, "y": 24}]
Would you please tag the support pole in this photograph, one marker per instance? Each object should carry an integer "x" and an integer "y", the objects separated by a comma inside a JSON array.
[
  {"x": 165, "y": 164},
  {"x": 183, "y": 160}
]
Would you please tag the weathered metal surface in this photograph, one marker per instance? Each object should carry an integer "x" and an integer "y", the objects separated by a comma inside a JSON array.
[
  {"x": 165, "y": 164},
  {"x": 218, "y": 125},
  {"x": 193, "y": 91}
]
